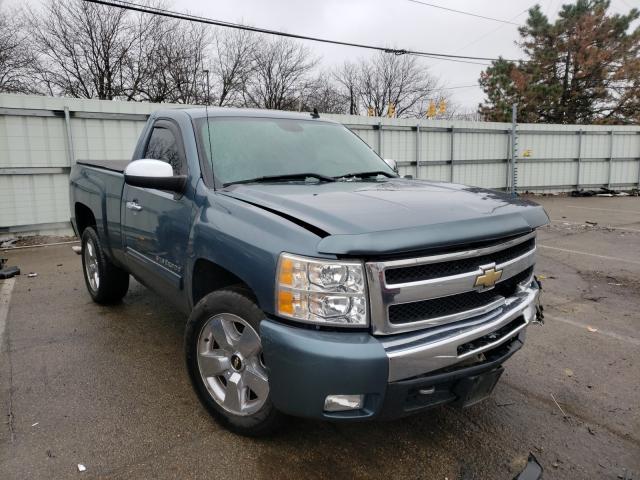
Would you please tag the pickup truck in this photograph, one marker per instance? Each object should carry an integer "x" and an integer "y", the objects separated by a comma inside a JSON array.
[{"x": 316, "y": 280}]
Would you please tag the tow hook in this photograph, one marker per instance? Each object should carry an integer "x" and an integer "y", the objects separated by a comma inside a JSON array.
[{"x": 539, "y": 318}]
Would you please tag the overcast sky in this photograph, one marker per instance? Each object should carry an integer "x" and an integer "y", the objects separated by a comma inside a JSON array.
[{"x": 395, "y": 23}]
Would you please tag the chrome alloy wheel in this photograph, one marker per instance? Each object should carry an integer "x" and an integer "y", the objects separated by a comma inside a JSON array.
[
  {"x": 91, "y": 265},
  {"x": 231, "y": 364}
]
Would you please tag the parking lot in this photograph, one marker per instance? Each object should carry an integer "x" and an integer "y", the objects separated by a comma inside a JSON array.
[{"x": 106, "y": 387}]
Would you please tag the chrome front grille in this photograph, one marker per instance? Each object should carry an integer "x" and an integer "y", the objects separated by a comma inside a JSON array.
[
  {"x": 453, "y": 304},
  {"x": 416, "y": 273},
  {"x": 411, "y": 294}
]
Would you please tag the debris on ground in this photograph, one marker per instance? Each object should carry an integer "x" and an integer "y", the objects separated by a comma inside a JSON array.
[
  {"x": 602, "y": 192},
  {"x": 34, "y": 240},
  {"x": 532, "y": 471},
  {"x": 589, "y": 222},
  {"x": 8, "y": 243},
  {"x": 568, "y": 372},
  {"x": 7, "y": 272},
  {"x": 626, "y": 475},
  {"x": 582, "y": 193},
  {"x": 81, "y": 467},
  {"x": 559, "y": 407},
  {"x": 592, "y": 329},
  {"x": 77, "y": 249},
  {"x": 609, "y": 192},
  {"x": 32, "y": 274},
  {"x": 35, "y": 424},
  {"x": 593, "y": 298}
]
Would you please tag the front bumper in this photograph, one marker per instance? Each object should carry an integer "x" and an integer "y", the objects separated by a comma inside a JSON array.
[{"x": 398, "y": 375}]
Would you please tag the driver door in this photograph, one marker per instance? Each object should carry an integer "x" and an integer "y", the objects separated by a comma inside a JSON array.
[{"x": 156, "y": 223}]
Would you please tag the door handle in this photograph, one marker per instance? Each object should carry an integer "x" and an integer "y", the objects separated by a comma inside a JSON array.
[{"x": 134, "y": 206}]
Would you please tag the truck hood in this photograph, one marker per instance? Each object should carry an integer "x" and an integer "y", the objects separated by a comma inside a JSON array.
[{"x": 396, "y": 215}]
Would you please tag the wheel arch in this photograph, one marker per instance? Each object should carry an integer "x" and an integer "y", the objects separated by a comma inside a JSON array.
[
  {"x": 208, "y": 276},
  {"x": 84, "y": 217}
]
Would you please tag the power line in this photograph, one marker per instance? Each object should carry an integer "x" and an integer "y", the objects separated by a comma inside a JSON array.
[
  {"x": 460, "y": 86},
  {"x": 182, "y": 16},
  {"x": 485, "y": 35},
  {"x": 465, "y": 13},
  {"x": 450, "y": 59}
]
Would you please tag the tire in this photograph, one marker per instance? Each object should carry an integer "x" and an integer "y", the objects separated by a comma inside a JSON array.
[
  {"x": 225, "y": 363},
  {"x": 106, "y": 283}
]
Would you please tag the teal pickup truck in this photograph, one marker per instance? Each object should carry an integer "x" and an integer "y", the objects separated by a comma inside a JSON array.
[{"x": 317, "y": 282}]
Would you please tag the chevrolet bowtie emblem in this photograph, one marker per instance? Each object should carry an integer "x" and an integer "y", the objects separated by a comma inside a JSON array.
[{"x": 488, "y": 278}]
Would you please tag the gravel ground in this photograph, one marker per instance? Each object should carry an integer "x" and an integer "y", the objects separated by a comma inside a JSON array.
[{"x": 106, "y": 386}]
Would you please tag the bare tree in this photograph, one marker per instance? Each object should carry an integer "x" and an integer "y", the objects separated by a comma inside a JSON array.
[
  {"x": 181, "y": 60},
  {"x": 323, "y": 94},
  {"x": 15, "y": 56},
  {"x": 469, "y": 114},
  {"x": 142, "y": 68},
  {"x": 232, "y": 65},
  {"x": 280, "y": 71},
  {"x": 82, "y": 48},
  {"x": 93, "y": 51},
  {"x": 348, "y": 79},
  {"x": 397, "y": 80}
]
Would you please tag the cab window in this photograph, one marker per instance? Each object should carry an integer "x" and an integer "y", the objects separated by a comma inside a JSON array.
[{"x": 163, "y": 146}]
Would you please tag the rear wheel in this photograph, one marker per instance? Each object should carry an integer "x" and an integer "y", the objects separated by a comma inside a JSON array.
[
  {"x": 225, "y": 362},
  {"x": 105, "y": 282}
]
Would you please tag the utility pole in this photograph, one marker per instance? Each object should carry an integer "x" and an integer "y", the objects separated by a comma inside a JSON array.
[{"x": 514, "y": 149}]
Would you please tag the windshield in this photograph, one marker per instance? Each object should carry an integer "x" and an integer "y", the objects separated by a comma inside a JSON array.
[{"x": 249, "y": 148}]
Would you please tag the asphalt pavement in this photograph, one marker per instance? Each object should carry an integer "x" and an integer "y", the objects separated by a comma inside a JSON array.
[{"x": 106, "y": 387}]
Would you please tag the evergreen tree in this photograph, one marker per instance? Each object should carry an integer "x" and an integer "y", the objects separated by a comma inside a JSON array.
[{"x": 584, "y": 68}]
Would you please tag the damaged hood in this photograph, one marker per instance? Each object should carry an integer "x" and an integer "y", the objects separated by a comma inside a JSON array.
[{"x": 396, "y": 215}]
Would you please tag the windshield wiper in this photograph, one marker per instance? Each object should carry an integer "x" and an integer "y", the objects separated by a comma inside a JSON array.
[
  {"x": 366, "y": 174},
  {"x": 276, "y": 178}
]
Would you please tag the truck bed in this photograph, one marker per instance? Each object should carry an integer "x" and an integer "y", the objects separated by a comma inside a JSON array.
[
  {"x": 98, "y": 185},
  {"x": 113, "y": 165}
]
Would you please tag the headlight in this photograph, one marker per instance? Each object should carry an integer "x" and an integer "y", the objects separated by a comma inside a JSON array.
[{"x": 324, "y": 292}]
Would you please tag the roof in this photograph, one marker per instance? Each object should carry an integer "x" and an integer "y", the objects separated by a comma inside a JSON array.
[{"x": 201, "y": 112}]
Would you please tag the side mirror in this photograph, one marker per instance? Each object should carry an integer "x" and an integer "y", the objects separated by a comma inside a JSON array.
[
  {"x": 147, "y": 173},
  {"x": 392, "y": 163}
]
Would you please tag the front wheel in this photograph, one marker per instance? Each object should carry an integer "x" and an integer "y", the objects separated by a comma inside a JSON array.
[
  {"x": 226, "y": 365},
  {"x": 105, "y": 282}
]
